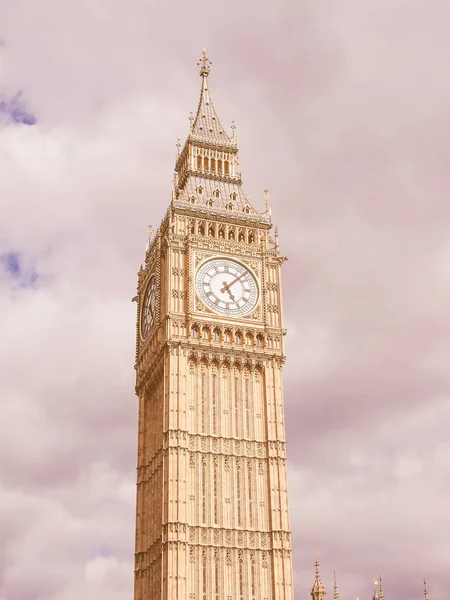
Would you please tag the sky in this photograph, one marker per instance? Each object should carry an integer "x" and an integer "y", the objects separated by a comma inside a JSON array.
[{"x": 342, "y": 112}]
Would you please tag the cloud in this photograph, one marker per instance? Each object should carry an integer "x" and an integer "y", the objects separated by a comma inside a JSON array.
[
  {"x": 14, "y": 111},
  {"x": 342, "y": 113}
]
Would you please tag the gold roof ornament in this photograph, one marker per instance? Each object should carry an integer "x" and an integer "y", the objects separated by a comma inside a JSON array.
[
  {"x": 381, "y": 588},
  {"x": 204, "y": 63}
]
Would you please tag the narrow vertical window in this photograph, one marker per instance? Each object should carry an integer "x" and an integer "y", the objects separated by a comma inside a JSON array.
[
  {"x": 204, "y": 577},
  {"x": 247, "y": 411},
  {"x": 226, "y": 167},
  {"x": 216, "y": 577},
  {"x": 199, "y": 162},
  {"x": 216, "y": 507},
  {"x": 202, "y": 400},
  {"x": 238, "y": 493},
  {"x": 236, "y": 405},
  {"x": 253, "y": 579},
  {"x": 250, "y": 495},
  {"x": 213, "y": 402},
  {"x": 206, "y": 163},
  {"x": 203, "y": 491},
  {"x": 241, "y": 579}
]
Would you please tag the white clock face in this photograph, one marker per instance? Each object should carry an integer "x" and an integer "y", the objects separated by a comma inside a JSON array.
[
  {"x": 148, "y": 312},
  {"x": 227, "y": 287}
]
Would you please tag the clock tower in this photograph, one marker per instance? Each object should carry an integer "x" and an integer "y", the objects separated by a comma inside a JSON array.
[{"x": 212, "y": 516}]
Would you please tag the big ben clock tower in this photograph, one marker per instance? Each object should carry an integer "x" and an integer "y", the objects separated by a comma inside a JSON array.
[{"x": 212, "y": 516}]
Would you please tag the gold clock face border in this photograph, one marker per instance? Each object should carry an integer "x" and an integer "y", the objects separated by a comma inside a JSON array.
[
  {"x": 151, "y": 278},
  {"x": 244, "y": 265}
]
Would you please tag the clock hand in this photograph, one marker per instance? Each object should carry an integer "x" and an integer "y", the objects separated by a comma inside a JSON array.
[
  {"x": 228, "y": 285},
  {"x": 227, "y": 289}
]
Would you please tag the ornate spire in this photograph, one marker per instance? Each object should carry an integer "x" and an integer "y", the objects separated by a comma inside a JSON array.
[
  {"x": 336, "y": 593},
  {"x": 375, "y": 590},
  {"x": 381, "y": 589},
  {"x": 206, "y": 126},
  {"x": 207, "y": 167},
  {"x": 318, "y": 591},
  {"x": 425, "y": 592}
]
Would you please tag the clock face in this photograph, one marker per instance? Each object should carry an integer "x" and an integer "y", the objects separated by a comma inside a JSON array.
[
  {"x": 148, "y": 312},
  {"x": 227, "y": 287}
]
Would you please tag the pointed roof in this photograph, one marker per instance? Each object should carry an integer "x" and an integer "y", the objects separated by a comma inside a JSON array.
[
  {"x": 207, "y": 126},
  {"x": 318, "y": 590},
  {"x": 207, "y": 173}
]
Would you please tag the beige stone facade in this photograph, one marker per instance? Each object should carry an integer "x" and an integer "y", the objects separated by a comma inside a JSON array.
[{"x": 212, "y": 516}]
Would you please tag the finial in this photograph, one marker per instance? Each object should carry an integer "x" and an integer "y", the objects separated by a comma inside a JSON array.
[
  {"x": 175, "y": 185},
  {"x": 233, "y": 128},
  {"x": 318, "y": 591},
  {"x": 425, "y": 592},
  {"x": 375, "y": 591},
  {"x": 316, "y": 564},
  {"x": 191, "y": 121},
  {"x": 150, "y": 235},
  {"x": 277, "y": 245},
  {"x": 381, "y": 588},
  {"x": 336, "y": 593},
  {"x": 178, "y": 145},
  {"x": 266, "y": 198},
  {"x": 205, "y": 64}
]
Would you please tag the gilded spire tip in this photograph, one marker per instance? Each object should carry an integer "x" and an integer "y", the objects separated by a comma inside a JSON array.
[{"x": 205, "y": 64}]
